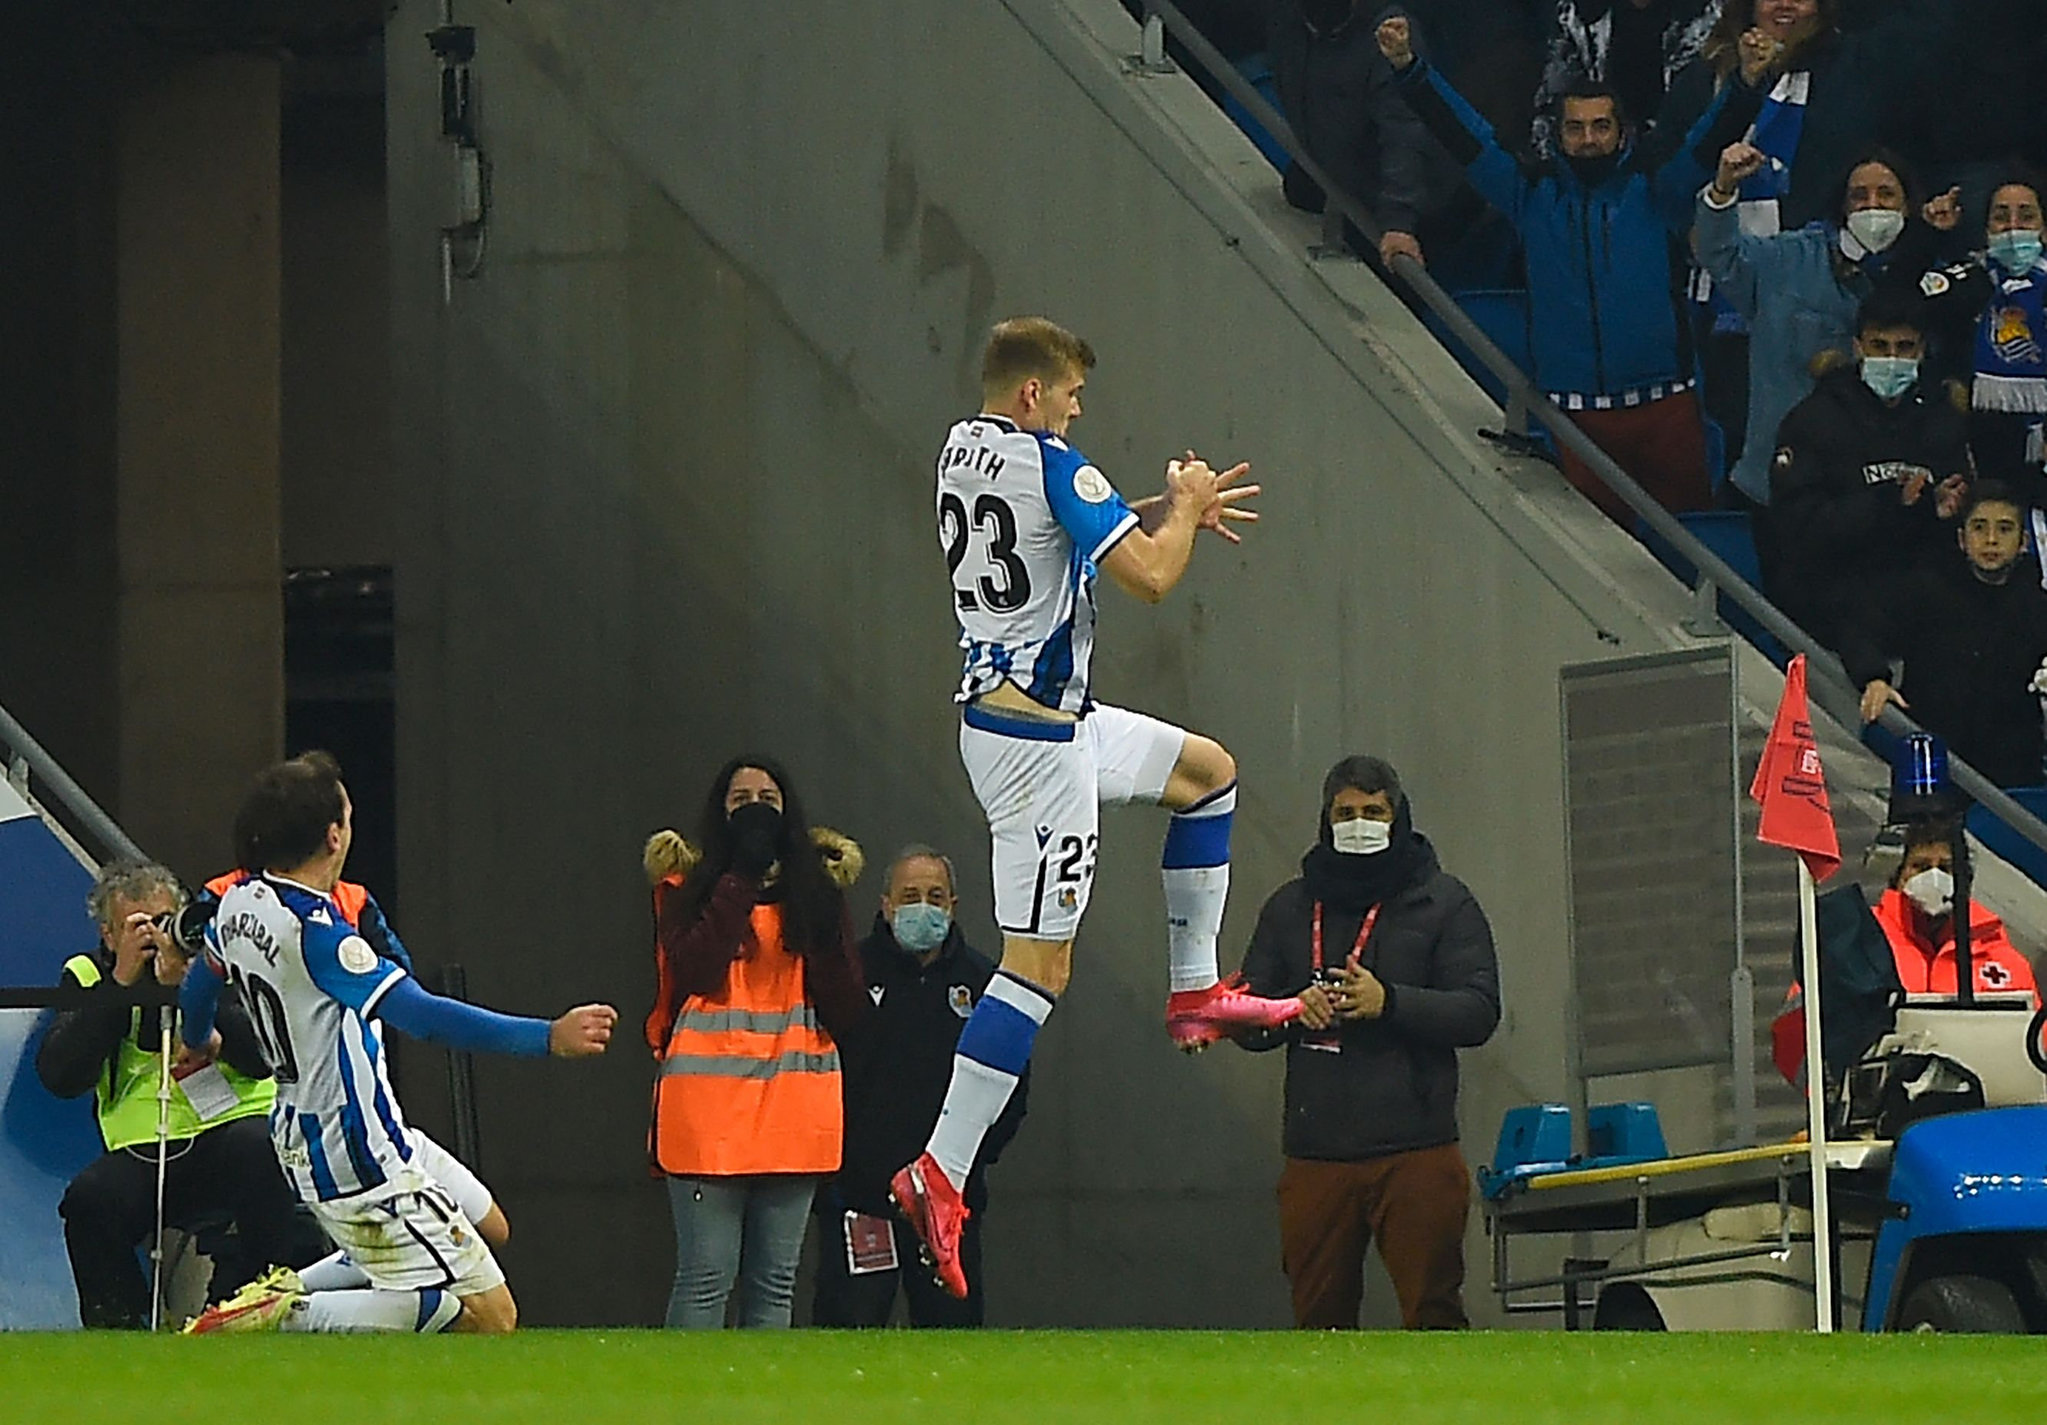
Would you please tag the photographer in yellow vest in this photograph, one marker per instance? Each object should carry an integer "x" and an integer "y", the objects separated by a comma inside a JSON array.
[{"x": 217, "y": 1158}]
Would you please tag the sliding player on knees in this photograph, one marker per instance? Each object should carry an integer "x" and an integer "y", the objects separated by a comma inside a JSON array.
[
  {"x": 319, "y": 997},
  {"x": 1027, "y": 523},
  {"x": 338, "y": 1271}
]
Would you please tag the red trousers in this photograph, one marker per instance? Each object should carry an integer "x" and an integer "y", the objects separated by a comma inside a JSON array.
[
  {"x": 1413, "y": 1204},
  {"x": 1661, "y": 446}
]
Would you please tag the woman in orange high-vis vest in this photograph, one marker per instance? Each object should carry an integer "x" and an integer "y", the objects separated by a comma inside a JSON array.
[{"x": 758, "y": 984}]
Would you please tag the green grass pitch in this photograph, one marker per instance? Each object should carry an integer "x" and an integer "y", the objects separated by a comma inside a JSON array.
[{"x": 827, "y": 1378}]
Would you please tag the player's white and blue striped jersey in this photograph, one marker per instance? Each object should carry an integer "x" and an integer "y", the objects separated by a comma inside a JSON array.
[
  {"x": 311, "y": 986},
  {"x": 1024, "y": 520}
]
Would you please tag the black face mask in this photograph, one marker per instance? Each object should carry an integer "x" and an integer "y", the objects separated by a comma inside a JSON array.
[
  {"x": 1594, "y": 171},
  {"x": 757, "y": 819},
  {"x": 756, "y": 837}
]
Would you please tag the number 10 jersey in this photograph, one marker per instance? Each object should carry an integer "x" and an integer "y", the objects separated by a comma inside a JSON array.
[
  {"x": 311, "y": 986},
  {"x": 1024, "y": 521}
]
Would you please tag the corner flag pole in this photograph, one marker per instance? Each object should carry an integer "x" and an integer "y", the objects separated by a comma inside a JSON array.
[
  {"x": 1816, "y": 1100},
  {"x": 1791, "y": 788}
]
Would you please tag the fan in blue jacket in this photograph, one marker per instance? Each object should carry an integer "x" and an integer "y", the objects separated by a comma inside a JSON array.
[{"x": 1600, "y": 227}]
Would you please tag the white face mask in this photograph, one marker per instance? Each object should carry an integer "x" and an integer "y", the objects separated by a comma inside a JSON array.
[
  {"x": 1361, "y": 836},
  {"x": 1933, "y": 891},
  {"x": 1875, "y": 228}
]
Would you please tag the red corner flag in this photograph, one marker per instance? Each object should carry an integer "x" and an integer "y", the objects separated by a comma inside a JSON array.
[{"x": 1791, "y": 786}]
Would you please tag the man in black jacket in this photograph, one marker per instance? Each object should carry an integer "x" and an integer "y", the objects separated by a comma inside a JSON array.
[
  {"x": 924, "y": 980},
  {"x": 219, "y": 1158},
  {"x": 1972, "y": 631},
  {"x": 1393, "y": 961},
  {"x": 1339, "y": 97},
  {"x": 1869, "y": 472}
]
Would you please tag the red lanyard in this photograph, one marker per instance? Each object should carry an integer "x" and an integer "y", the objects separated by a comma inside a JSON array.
[{"x": 1364, "y": 934}]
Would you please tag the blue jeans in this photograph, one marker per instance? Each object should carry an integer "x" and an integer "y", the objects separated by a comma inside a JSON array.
[{"x": 744, "y": 1229}]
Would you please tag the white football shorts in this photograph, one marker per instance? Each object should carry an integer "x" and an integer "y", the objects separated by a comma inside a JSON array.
[
  {"x": 411, "y": 1238},
  {"x": 453, "y": 1174},
  {"x": 1042, "y": 786}
]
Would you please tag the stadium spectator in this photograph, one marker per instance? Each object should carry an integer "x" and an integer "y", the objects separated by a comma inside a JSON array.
[
  {"x": 1869, "y": 473},
  {"x": 1995, "y": 304},
  {"x": 1798, "y": 291},
  {"x": 758, "y": 985},
  {"x": 1822, "y": 95},
  {"x": 1393, "y": 961},
  {"x": 923, "y": 979},
  {"x": 1917, "y": 914},
  {"x": 219, "y": 1159},
  {"x": 1972, "y": 631},
  {"x": 1636, "y": 46},
  {"x": 1611, "y": 342},
  {"x": 1338, "y": 94},
  {"x": 1836, "y": 90}
]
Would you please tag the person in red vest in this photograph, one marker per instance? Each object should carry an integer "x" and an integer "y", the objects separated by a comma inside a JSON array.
[{"x": 1917, "y": 916}]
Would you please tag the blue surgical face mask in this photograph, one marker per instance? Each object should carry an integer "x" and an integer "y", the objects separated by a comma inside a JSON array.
[
  {"x": 2016, "y": 249},
  {"x": 920, "y": 927},
  {"x": 1890, "y": 376}
]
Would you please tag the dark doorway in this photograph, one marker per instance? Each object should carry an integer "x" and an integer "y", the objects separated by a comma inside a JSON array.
[{"x": 338, "y": 695}]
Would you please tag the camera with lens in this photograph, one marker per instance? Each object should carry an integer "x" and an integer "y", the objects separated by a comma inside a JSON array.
[{"x": 186, "y": 927}]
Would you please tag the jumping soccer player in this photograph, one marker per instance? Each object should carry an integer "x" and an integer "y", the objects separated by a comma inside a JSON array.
[
  {"x": 316, "y": 992},
  {"x": 1026, "y": 522}
]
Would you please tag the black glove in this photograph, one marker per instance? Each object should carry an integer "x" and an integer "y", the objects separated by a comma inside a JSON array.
[{"x": 756, "y": 839}]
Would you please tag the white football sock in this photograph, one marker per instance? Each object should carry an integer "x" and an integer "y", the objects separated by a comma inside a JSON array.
[
  {"x": 994, "y": 1049},
  {"x": 1197, "y": 883},
  {"x": 336, "y": 1273},
  {"x": 424, "y": 1312}
]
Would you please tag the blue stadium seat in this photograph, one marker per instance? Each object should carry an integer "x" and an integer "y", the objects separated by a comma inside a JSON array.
[
  {"x": 1535, "y": 1138},
  {"x": 1502, "y": 314},
  {"x": 1624, "y": 1133},
  {"x": 1729, "y": 534},
  {"x": 1257, "y": 70}
]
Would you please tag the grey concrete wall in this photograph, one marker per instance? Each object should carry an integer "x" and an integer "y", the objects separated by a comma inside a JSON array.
[{"x": 664, "y": 483}]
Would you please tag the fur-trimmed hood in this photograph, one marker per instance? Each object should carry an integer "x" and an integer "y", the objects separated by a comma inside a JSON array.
[{"x": 668, "y": 856}]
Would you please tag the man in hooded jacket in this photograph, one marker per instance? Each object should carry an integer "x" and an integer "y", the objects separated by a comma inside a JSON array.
[
  {"x": 1600, "y": 226},
  {"x": 1394, "y": 962}
]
